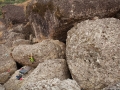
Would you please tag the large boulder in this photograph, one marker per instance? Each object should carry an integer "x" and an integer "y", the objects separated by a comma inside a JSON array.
[
  {"x": 49, "y": 69},
  {"x": 47, "y": 49},
  {"x": 53, "y": 18},
  {"x": 4, "y": 77},
  {"x": 20, "y": 42},
  {"x": 7, "y": 36},
  {"x": 2, "y": 37},
  {"x": 21, "y": 31},
  {"x": 13, "y": 83},
  {"x": 13, "y": 36},
  {"x": 2, "y": 24},
  {"x": 2, "y": 30},
  {"x": 13, "y": 14},
  {"x": 7, "y": 64},
  {"x": 113, "y": 87},
  {"x": 93, "y": 53},
  {"x": 52, "y": 84},
  {"x": 2, "y": 87}
]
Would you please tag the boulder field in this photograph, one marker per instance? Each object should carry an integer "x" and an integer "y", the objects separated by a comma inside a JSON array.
[{"x": 60, "y": 45}]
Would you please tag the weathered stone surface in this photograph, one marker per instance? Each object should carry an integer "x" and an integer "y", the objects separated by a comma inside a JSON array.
[
  {"x": 7, "y": 64},
  {"x": 49, "y": 69},
  {"x": 2, "y": 37},
  {"x": 2, "y": 24},
  {"x": 113, "y": 87},
  {"x": 17, "y": 32},
  {"x": 4, "y": 77},
  {"x": 2, "y": 87},
  {"x": 47, "y": 49},
  {"x": 52, "y": 84},
  {"x": 2, "y": 30},
  {"x": 13, "y": 14},
  {"x": 13, "y": 83},
  {"x": 20, "y": 42},
  {"x": 12, "y": 36},
  {"x": 93, "y": 53},
  {"x": 53, "y": 18},
  {"x": 24, "y": 29}
]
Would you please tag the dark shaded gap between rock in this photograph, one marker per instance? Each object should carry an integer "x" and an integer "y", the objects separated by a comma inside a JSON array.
[
  {"x": 19, "y": 65},
  {"x": 70, "y": 76}
]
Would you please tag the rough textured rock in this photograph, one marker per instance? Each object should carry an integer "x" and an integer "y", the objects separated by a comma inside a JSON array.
[
  {"x": 13, "y": 83},
  {"x": 93, "y": 53},
  {"x": 49, "y": 69},
  {"x": 2, "y": 30},
  {"x": 53, "y": 18},
  {"x": 113, "y": 87},
  {"x": 4, "y": 77},
  {"x": 52, "y": 84},
  {"x": 47, "y": 49},
  {"x": 20, "y": 31},
  {"x": 2, "y": 39},
  {"x": 12, "y": 36},
  {"x": 20, "y": 42},
  {"x": 13, "y": 14},
  {"x": 7, "y": 64},
  {"x": 24, "y": 29},
  {"x": 2, "y": 24},
  {"x": 2, "y": 87},
  {"x": 7, "y": 36}
]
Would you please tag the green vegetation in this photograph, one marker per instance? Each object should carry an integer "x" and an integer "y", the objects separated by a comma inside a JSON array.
[
  {"x": 11, "y": 1},
  {"x": 4, "y": 2}
]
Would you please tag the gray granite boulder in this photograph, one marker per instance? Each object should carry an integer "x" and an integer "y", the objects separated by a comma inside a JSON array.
[
  {"x": 13, "y": 83},
  {"x": 2, "y": 87},
  {"x": 115, "y": 86},
  {"x": 2, "y": 24},
  {"x": 23, "y": 29},
  {"x": 2, "y": 30},
  {"x": 93, "y": 53},
  {"x": 13, "y": 14},
  {"x": 49, "y": 69},
  {"x": 9, "y": 35},
  {"x": 47, "y": 49},
  {"x": 7, "y": 64},
  {"x": 20, "y": 42},
  {"x": 53, "y": 18},
  {"x": 12, "y": 36},
  {"x": 52, "y": 84},
  {"x": 4, "y": 77}
]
